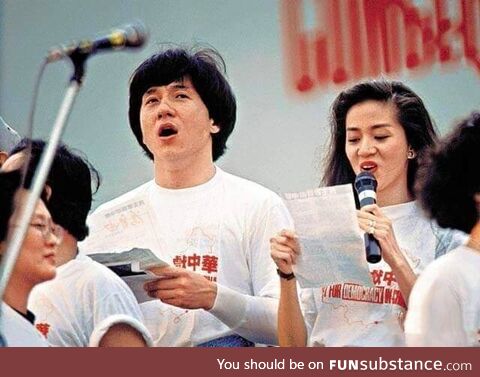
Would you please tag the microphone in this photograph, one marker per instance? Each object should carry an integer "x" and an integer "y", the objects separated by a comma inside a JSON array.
[
  {"x": 366, "y": 185},
  {"x": 128, "y": 36}
]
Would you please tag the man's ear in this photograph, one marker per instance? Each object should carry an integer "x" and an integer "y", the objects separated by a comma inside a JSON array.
[
  {"x": 48, "y": 192},
  {"x": 3, "y": 157},
  {"x": 214, "y": 129}
]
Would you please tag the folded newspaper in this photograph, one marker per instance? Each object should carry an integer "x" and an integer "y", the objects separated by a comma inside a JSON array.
[{"x": 132, "y": 266}]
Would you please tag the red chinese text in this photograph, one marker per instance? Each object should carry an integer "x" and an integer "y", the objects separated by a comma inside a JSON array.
[{"x": 353, "y": 39}]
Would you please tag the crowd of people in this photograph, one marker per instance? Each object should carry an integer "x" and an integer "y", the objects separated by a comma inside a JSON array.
[{"x": 231, "y": 244}]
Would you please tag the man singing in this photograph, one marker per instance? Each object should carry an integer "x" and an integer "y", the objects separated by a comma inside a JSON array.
[{"x": 212, "y": 227}]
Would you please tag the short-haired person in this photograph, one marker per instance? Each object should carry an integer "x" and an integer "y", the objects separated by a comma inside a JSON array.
[
  {"x": 86, "y": 304},
  {"x": 8, "y": 139},
  {"x": 34, "y": 265},
  {"x": 212, "y": 226},
  {"x": 444, "y": 306},
  {"x": 382, "y": 127}
]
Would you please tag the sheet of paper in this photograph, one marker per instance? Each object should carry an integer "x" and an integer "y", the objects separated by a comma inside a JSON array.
[
  {"x": 125, "y": 226},
  {"x": 131, "y": 266},
  {"x": 331, "y": 241},
  {"x": 124, "y": 237},
  {"x": 136, "y": 283},
  {"x": 139, "y": 259}
]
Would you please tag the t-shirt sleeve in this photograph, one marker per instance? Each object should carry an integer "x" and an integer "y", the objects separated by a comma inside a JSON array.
[
  {"x": 115, "y": 304},
  {"x": 255, "y": 316}
]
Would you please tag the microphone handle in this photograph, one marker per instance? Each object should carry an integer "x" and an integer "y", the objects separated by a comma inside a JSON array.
[{"x": 372, "y": 249}]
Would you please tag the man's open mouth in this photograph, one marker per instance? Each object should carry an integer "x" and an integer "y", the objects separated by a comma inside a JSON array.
[{"x": 167, "y": 131}]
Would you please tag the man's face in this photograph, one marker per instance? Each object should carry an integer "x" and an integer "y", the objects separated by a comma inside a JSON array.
[{"x": 175, "y": 122}]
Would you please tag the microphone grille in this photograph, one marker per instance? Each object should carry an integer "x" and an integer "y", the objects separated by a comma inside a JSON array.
[
  {"x": 136, "y": 34},
  {"x": 365, "y": 180}
]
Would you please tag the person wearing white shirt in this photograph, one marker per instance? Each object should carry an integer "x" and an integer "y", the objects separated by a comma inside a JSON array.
[
  {"x": 34, "y": 265},
  {"x": 86, "y": 304},
  {"x": 444, "y": 307},
  {"x": 211, "y": 226},
  {"x": 381, "y": 127}
]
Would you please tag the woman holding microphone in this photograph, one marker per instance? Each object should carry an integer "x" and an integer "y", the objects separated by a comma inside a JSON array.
[{"x": 380, "y": 127}]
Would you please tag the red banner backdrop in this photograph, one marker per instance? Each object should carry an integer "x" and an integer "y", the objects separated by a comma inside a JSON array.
[{"x": 354, "y": 39}]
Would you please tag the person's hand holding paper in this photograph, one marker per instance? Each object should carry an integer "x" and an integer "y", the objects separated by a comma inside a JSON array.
[
  {"x": 182, "y": 288},
  {"x": 284, "y": 250}
]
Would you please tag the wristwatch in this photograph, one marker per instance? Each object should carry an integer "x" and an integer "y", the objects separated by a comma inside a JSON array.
[{"x": 285, "y": 276}]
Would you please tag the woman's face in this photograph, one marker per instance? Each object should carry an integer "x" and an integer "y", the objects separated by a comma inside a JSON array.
[
  {"x": 36, "y": 261},
  {"x": 376, "y": 142}
]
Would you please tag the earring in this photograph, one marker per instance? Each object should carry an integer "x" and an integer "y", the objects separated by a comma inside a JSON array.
[{"x": 411, "y": 154}]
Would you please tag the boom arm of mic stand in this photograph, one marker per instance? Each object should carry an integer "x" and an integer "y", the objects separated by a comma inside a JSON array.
[{"x": 26, "y": 211}]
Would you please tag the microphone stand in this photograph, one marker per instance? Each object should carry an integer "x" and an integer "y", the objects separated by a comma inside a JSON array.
[{"x": 26, "y": 211}]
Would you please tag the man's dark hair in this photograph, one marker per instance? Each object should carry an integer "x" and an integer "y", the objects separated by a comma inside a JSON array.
[
  {"x": 70, "y": 179},
  {"x": 206, "y": 70},
  {"x": 412, "y": 116},
  {"x": 450, "y": 177}
]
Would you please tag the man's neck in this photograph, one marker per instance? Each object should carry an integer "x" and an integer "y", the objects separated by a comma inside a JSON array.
[
  {"x": 183, "y": 174},
  {"x": 67, "y": 250}
]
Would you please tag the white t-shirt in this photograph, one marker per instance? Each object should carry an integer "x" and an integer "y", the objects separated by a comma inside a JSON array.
[
  {"x": 220, "y": 229},
  {"x": 83, "y": 301},
  {"x": 348, "y": 314},
  {"x": 444, "y": 306},
  {"x": 17, "y": 331}
]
